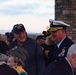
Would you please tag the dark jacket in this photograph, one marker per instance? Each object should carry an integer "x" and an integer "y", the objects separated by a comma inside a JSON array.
[
  {"x": 35, "y": 64},
  {"x": 59, "y": 67},
  {"x": 62, "y": 50},
  {"x": 6, "y": 70}
]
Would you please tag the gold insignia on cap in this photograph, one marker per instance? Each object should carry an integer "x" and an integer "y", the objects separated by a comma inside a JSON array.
[{"x": 55, "y": 28}]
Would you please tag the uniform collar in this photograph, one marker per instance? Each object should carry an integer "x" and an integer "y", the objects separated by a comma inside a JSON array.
[{"x": 58, "y": 45}]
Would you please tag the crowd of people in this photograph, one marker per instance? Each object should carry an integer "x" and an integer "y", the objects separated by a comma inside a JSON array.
[{"x": 51, "y": 53}]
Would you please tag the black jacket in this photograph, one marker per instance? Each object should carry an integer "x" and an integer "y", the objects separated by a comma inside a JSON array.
[
  {"x": 59, "y": 67},
  {"x": 6, "y": 70},
  {"x": 62, "y": 50}
]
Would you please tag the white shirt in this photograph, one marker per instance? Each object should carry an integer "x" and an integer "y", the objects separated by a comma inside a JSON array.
[{"x": 58, "y": 45}]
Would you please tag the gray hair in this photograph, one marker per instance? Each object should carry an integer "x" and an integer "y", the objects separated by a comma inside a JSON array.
[
  {"x": 19, "y": 52},
  {"x": 71, "y": 50},
  {"x": 3, "y": 57}
]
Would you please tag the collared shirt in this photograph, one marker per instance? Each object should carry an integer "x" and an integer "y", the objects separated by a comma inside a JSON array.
[{"x": 58, "y": 45}]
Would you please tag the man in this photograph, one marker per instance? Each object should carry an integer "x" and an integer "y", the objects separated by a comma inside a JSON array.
[
  {"x": 58, "y": 34},
  {"x": 35, "y": 64},
  {"x": 63, "y": 66}
]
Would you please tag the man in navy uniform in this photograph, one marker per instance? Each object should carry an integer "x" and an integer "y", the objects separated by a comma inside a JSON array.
[
  {"x": 63, "y": 66},
  {"x": 58, "y": 33}
]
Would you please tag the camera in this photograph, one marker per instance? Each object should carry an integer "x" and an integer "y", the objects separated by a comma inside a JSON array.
[
  {"x": 46, "y": 33},
  {"x": 10, "y": 36}
]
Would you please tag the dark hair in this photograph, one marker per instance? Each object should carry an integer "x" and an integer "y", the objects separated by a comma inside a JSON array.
[{"x": 3, "y": 47}]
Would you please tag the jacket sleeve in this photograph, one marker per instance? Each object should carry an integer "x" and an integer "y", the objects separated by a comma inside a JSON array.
[{"x": 39, "y": 59}]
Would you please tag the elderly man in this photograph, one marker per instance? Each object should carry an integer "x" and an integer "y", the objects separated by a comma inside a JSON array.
[
  {"x": 63, "y": 66},
  {"x": 35, "y": 64},
  {"x": 58, "y": 34}
]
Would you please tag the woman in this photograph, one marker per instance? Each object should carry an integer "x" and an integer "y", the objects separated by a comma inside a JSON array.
[{"x": 16, "y": 59}]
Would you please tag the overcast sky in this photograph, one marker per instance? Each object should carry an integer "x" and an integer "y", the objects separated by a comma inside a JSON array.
[{"x": 34, "y": 14}]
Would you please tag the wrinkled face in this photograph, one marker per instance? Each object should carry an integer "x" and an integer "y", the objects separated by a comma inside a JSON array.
[
  {"x": 21, "y": 36},
  {"x": 11, "y": 62},
  {"x": 56, "y": 35}
]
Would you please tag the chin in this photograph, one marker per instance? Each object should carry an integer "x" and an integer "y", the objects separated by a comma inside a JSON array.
[{"x": 22, "y": 40}]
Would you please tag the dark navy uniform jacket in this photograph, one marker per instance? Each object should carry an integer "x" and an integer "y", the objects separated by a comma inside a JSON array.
[
  {"x": 59, "y": 67},
  {"x": 62, "y": 50}
]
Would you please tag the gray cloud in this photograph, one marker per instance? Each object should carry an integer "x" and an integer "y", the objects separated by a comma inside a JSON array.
[
  {"x": 21, "y": 9},
  {"x": 26, "y": 8}
]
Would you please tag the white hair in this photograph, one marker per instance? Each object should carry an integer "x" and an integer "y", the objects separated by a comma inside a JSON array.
[{"x": 71, "y": 50}]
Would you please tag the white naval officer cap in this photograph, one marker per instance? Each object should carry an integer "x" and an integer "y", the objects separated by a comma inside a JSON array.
[{"x": 56, "y": 25}]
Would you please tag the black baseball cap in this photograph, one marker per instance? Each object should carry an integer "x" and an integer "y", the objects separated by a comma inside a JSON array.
[{"x": 18, "y": 28}]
